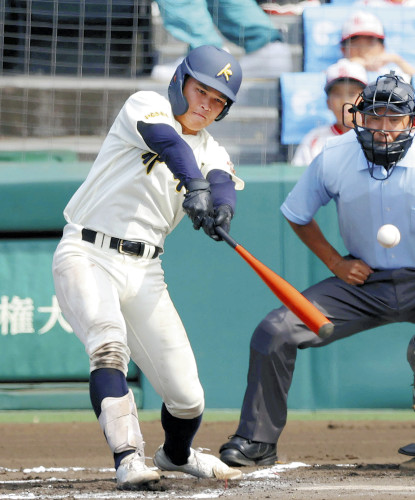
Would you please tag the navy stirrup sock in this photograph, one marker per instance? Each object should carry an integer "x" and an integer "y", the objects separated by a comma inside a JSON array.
[
  {"x": 179, "y": 434},
  {"x": 108, "y": 383}
]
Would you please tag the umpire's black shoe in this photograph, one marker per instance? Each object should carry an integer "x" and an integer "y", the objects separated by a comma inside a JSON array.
[{"x": 240, "y": 451}]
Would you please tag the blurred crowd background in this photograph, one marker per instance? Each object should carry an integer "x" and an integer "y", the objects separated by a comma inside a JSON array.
[{"x": 67, "y": 66}]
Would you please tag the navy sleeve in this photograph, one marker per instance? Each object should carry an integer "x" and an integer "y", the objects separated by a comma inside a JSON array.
[
  {"x": 222, "y": 188},
  {"x": 172, "y": 149}
]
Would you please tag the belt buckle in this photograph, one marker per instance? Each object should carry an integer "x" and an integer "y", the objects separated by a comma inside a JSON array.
[
  {"x": 120, "y": 248},
  {"x": 137, "y": 252}
]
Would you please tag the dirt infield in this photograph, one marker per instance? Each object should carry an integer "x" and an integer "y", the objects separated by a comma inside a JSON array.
[{"x": 321, "y": 460}]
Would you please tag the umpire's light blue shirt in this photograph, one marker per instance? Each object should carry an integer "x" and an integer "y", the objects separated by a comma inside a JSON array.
[{"x": 340, "y": 172}]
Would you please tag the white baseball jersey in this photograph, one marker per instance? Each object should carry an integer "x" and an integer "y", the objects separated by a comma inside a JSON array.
[
  {"x": 129, "y": 193},
  {"x": 312, "y": 144},
  {"x": 116, "y": 299}
]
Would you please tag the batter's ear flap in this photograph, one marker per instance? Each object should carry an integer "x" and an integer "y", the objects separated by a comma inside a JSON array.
[
  {"x": 224, "y": 111},
  {"x": 177, "y": 100}
]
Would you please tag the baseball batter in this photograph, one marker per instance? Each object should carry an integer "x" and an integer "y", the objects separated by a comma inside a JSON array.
[
  {"x": 370, "y": 174},
  {"x": 156, "y": 164}
]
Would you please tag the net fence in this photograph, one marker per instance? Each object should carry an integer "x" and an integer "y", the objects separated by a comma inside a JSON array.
[
  {"x": 67, "y": 67},
  {"x": 83, "y": 37}
]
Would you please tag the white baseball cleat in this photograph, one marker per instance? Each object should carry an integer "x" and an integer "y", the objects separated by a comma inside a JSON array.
[
  {"x": 133, "y": 472},
  {"x": 198, "y": 464}
]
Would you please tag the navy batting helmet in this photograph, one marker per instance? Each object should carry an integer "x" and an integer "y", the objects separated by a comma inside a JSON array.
[
  {"x": 393, "y": 96},
  {"x": 209, "y": 65}
]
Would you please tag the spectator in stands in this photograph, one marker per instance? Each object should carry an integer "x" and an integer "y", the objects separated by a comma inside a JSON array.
[
  {"x": 344, "y": 82},
  {"x": 363, "y": 42},
  {"x": 242, "y": 22}
]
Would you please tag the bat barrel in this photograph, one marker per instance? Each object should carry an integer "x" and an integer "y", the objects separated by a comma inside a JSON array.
[
  {"x": 292, "y": 298},
  {"x": 325, "y": 330}
]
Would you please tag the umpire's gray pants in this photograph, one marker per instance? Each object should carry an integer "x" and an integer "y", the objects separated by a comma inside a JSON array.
[{"x": 386, "y": 297}]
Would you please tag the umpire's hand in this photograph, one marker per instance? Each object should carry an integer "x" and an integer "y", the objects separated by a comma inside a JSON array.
[
  {"x": 197, "y": 201},
  {"x": 352, "y": 271}
]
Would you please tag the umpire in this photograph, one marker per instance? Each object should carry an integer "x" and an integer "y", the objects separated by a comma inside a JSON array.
[{"x": 370, "y": 175}]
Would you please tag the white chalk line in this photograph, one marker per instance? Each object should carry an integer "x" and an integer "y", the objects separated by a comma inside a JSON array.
[
  {"x": 41, "y": 469},
  {"x": 110, "y": 495},
  {"x": 269, "y": 473},
  {"x": 358, "y": 487},
  {"x": 86, "y": 496}
]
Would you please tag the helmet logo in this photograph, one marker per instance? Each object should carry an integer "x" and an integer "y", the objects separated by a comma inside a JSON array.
[{"x": 226, "y": 72}]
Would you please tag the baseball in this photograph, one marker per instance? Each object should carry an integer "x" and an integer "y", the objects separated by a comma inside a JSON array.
[{"x": 389, "y": 236}]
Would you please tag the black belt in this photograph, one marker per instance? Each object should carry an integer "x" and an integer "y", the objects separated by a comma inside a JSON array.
[{"x": 122, "y": 246}]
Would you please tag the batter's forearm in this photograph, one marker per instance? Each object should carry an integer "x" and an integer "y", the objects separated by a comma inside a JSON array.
[{"x": 222, "y": 188}]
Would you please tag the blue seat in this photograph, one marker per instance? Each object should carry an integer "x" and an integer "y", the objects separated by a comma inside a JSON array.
[
  {"x": 322, "y": 33},
  {"x": 303, "y": 105}
]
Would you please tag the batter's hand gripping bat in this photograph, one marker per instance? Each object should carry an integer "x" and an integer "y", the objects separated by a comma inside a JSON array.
[{"x": 292, "y": 298}]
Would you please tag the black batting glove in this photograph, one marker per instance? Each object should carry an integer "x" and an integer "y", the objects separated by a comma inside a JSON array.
[
  {"x": 222, "y": 216},
  {"x": 197, "y": 201}
]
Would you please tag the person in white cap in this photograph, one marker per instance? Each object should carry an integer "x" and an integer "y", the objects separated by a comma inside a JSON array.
[
  {"x": 344, "y": 81},
  {"x": 363, "y": 41}
]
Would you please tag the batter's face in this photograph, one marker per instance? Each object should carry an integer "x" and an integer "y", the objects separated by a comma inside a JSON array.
[{"x": 205, "y": 104}]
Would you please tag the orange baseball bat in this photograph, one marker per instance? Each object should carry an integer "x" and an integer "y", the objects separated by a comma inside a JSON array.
[{"x": 290, "y": 296}]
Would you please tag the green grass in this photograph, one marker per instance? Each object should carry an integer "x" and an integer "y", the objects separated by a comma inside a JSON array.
[{"x": 48, "y": 416}]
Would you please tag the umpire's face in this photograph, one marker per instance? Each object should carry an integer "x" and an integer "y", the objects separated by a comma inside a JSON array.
[
  {"x": 389, "y": 125},
  {"x": 205, "y": 104}
]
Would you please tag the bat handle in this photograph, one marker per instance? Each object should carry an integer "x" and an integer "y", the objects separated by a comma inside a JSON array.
[{"x": 225, "y": 236}]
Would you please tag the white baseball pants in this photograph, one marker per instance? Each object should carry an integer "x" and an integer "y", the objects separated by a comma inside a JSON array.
[{"x": 111, "y": 297}]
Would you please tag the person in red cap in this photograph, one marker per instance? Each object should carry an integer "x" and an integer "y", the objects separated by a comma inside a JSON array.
[
  {"x": 362, "y": 41},
  {"x": 344, "y": 82}
]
